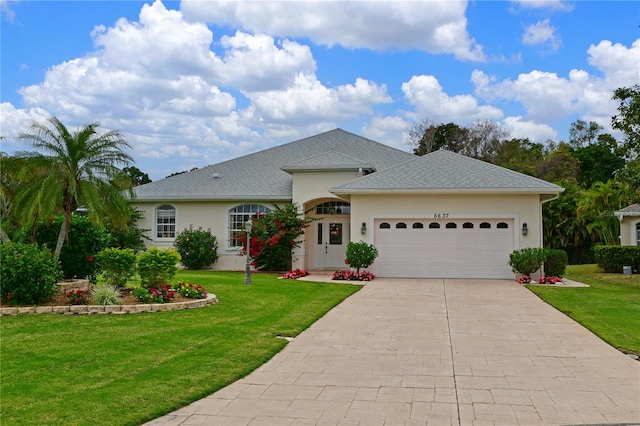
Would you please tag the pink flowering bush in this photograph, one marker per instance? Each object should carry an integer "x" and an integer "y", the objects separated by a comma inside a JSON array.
[
  {"x": 524, "y": 279},
  {"x": 197, "y": 248},
  {"x": 352, "y": 276},
  {"x": 550, "y": 279},
  {"x": 294, "y": 275}
]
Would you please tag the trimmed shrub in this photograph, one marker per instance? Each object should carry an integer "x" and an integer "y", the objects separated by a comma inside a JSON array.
[
  {"x": 86, "y": 239},
  {"x": 555, "y": 263},
  {"x": 196, "y": 247},
  {"x": 527, "y": 260},
  {"x": 157, "y": 267},
  {"x": 29, "y": 273},
  {"x": 612, "y": 258},
  {"x": 118, "y": 265},
  {"x": 361, "y": 255}
]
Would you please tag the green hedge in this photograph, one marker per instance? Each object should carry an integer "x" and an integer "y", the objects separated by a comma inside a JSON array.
[
  {"x": 555, "y": 263},
  {"x": 612, "y": 258}
]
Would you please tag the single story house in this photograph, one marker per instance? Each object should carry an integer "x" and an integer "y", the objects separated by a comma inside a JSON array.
[
  {"x": 442, "y": 215},
  {"x": 629, "y": 225}
]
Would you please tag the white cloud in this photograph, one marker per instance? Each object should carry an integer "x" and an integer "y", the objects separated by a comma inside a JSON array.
[
  {"x": 548, "y": 97},
  {"x": 542, "y": 33},
  {"x": 553, "y": 5},
  {"x": 388, "y": 130},
  {"x": 7, "y": 11},
  {"x": 435, "y": 27},
  {"x": 521, "y": 129},
  {"x": 15, "y": 121},
  {"x": 430, "y": 101}
]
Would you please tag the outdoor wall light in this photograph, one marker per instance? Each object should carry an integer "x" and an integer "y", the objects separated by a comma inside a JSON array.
[
  {"x": 247, "y": 273},
  {"x": 525, "y": 229},
  {"x": 363, "y": 228}
]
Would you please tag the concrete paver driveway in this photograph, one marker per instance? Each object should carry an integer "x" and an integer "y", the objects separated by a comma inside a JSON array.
[{"x": 434, "y": 352}]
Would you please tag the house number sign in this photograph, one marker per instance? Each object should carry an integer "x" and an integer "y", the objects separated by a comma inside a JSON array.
[{"x": 440, "y": 215}]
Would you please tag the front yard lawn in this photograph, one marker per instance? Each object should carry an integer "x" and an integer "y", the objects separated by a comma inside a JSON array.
[
  {"x": 610, "y": 308},
  {"x": 128, "y": 369}
]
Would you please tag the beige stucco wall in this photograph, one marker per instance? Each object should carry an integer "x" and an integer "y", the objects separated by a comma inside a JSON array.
[
  {"x": 208, "y": 215},
  {"x": 628, "y": 235},
  {"x": 520, "y": 208},
  {"x": 315, "y": 185}
]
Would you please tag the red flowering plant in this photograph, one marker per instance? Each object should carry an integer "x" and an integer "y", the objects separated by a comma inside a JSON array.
[
  {"x": 524, "y": 279},
  {"x": 549, "y": 279},
  {"x": 192, "y": 291},
  {"x": 294, "y": 275},
  {"x": 77, "y": 297},
  {"x": 274, "y": 235},
  {"x": 352, "y": 276}
]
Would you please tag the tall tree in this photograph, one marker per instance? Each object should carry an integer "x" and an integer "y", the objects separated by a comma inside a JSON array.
[
  {"x": 137, "y": 176},
  {"x": 628, "y": 118},
  {"x": 583, "y": 134},
  {"x": 599, "y": 161},
  {"x": 81, "y": 167}
]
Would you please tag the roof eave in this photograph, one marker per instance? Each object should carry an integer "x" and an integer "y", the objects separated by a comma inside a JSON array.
[
  {"x": 169, "y": 198},
  {"x": 505, "y": 191},
  {"x": 336, "y": 168}
]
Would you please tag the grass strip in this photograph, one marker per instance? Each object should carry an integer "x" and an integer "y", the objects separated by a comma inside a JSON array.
[
  {"x": 128, "y": 369},
  {"x": 610, "y": 307}
]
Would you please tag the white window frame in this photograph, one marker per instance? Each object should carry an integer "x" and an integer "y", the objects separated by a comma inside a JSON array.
[
  {"x": 635, "y": 232},
  {"x": 168, "y": 224},
  {"x": 237, "y": 220}
]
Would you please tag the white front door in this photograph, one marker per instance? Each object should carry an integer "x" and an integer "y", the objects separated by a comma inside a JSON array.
[{"x": 332, "y": 236}]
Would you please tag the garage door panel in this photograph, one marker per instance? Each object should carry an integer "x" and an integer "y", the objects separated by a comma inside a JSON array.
[{"x": 445, "y": 252}]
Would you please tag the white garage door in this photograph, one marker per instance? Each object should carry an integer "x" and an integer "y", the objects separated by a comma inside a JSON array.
[{"x": 457, "y": 248}]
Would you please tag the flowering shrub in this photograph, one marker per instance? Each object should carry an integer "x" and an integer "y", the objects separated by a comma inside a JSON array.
[
  {"x": 360, "y": 255},
  {"x": 294, "y": 275},
  {"x": 549, "y": 279},
  {"x": 524, "y": 279},
  {"x": 352, "y": 276},
  {"x": 196, "y": 247},
  {"x": 162, "y": 294},
  {"x": 28, "y": 272},
  {"x": 77, "y": 297},
  {"x": 193, "y": 291},
  {"x": 274, "y": 236},
  {"x": 103, "y": 295}
]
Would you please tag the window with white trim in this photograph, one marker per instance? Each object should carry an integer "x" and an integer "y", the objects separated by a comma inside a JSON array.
[
  {"x": 166, "y": 221},
  {"x": 238, "y": 216},
  {"x": 638, "y": 234}
]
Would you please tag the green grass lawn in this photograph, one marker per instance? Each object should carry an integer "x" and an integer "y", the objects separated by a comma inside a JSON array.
[
  {"x": 610, "y": 308},
  {"x": 127, "y": 369}
]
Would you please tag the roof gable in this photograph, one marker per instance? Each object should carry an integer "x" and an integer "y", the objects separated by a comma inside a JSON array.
[
  {"x": 632, "y": 210},
  {"x": 446, "y": 171},
  {"x": 330, "y": 160},
  {"x": 258, "y": 176}
]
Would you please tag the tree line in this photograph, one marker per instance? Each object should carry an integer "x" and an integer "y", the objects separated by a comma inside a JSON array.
[{"x": 600, "y": 173}]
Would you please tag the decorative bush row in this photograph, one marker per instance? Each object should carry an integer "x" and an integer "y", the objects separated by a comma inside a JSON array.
[
  {"x": 612, "y": 258},
  {"x": 528, "y": 260}
]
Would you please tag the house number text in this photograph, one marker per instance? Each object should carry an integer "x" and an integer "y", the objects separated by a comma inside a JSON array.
[{"x": 440, "y": 215}]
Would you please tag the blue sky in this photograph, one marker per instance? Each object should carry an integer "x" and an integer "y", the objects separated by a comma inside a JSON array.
[{"x": 193, "y": 83}]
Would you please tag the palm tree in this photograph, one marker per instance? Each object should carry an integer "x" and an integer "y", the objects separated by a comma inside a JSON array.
[{"x": 74, "y": 169}]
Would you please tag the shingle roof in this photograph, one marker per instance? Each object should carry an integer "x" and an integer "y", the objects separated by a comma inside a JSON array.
[
  {"x": 330, "y": 160},
  {"x": 632, "y": 210},
  {"x": 258, "y": 176},
  {"x": 445, "y": 171}
]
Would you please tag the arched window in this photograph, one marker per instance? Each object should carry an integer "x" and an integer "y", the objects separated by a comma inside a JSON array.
[
  {"x": 238, "y": 216},
  {"x": 401, "y": 225},
  {"x": 166, "y": 221},
  {"x": 485, "y": 225},
  {"x": 451, "y": 225},
  {"x": 334, "y": 207},
  {"x": 385, "y": 225},
  {"x": 434, "y": 225},
  {"x": 467, "y": 225},
  {"x": 418, "y": 225},
  {"x": 502, "y": 225}
]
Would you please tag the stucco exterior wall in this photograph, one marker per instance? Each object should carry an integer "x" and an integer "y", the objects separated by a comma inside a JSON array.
[
  {"x": 208, "y": 215},
  {"x": 521, "y": 208},
  {"x": 315, "y": 185},
  {"x": 628, "y": 233}
]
